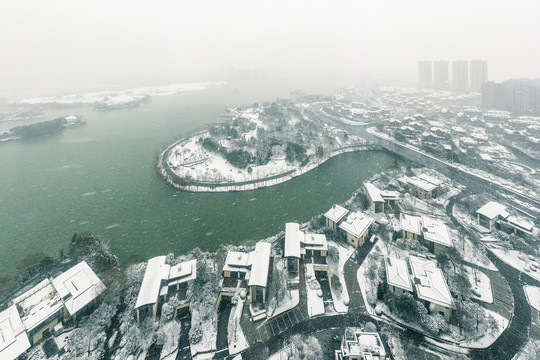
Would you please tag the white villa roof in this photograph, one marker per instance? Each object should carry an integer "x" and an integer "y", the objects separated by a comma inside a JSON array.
[
  {"x": 315, "y": 242},
  {"x": 185, "y": 271},
  {"x": 336, "y": 213},
  {"x": 368, "y": 345},
  {"x": 421, "y": 184},
  {"x": 13, "y": 338},
  {"x": 389, "y": 195},
  {"x": 430, "y": 179},
  {"x": 260, "y": 262},
  {"x": 293, "y": 237},
  {"x": 373, "y": 192},
  {"x": 81, "y": 284},
  {"x": 397, "y": 273},
  {"x": 237, "y": 259},
  {"x": 429, "y": 282},
  {"x": 410, "y": 223},
  {"x": 435, "y": 230},
  {"x": 356, "y": 224},
  {"x": 38, "y": 304},
  {"x": 156, "y": 271},
  {"x": 493, "y": 209}
]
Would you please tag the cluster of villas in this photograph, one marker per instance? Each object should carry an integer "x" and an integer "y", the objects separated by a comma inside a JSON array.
[
  {"x": 420, "y": 275},
  {"x": 430, "y": 286},
  {"x": 42, "y": 310}
]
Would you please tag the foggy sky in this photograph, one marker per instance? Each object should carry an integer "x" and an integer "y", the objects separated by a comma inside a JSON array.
[{"x": 52, "y": 45}]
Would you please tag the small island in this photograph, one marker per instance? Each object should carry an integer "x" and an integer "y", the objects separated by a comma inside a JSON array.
[
  {"x": 260, "y": 146},
  {"x": 42, "y": 128}
]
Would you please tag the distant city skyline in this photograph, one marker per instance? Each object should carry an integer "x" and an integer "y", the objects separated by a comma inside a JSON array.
[
  {"x": 467, "y": 76},
  {"x": 59, "y": 44}
]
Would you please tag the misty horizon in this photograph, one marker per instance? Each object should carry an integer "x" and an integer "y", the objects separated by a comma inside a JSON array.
[{"x": 62, "y": 45}]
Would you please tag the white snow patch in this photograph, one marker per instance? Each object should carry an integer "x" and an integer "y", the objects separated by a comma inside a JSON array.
[
  {"x": 315, "y": 303},
  {"x": 340, "y": 300},
  {"x": 533, "y": 296},
  {"x": 518, "y": 261},
  {"x": 237, "y": 340}
]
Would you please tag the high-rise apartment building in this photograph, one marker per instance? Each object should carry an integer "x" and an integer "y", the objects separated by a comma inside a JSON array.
[
  {"x": 460, "y": 75},
  {"x": 520, "y": 96},
  {"x": 479, "y": 74},
  {"x": 425, "y": 77},
  {"x": 441, "y": 79}
]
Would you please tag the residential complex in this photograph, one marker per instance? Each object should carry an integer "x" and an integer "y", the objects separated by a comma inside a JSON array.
[{"x": 36, "y": 313}]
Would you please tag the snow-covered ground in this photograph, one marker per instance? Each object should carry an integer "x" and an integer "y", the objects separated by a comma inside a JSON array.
[
  {"x": 367, "y": 286},
  {"x": 533, "y": 296},
  {"x": 340, "y": 300},
  {"x": 315, "y": 302},
  {"x": 290, "y": 301},
  {"x": 191, "y": 161},
  {"x": 488, "y": 337},
  {"x": 480, "y": 284},
  {"x": 518, "y": 260},
  {"x": 237, "y": 340},
  {"x": 531, "y": 350}
]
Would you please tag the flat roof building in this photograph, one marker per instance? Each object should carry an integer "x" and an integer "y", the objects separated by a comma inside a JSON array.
[
  {"x": 360, "y": 344},
  {"x": 78, "y": 287},
  {"x": 260, "y": 264},
  {"x": 13, "y": 339},
  {"x": 158, "y": 278},
  {"x": 489, "y": 213}
]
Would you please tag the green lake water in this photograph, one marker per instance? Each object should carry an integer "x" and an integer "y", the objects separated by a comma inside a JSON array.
[{"x": 101, "y": 177}]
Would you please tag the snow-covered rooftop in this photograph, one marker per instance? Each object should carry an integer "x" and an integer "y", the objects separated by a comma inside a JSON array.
[
  {"x": 429, "y": 281},
  {"x": 38, "y": 304},
  {"x": 410, "y": 223},
  {"x": 365, "y": 345},
  {"x": 389, "y": 195},
  {"x": 430, "y": 179},
  {"x": 421, "y": 184},
  {"x": 435, "y": 230},
  {"x": 13, "y": 338},
  {"x": 493, "y": 209},
  {"x": 397, "y": 273},
  {"x": 78, "y": 286},
  {"x": 293, "y": 237},
  {"x": 521, "y": 223},
  {"x": 373, "y": 192},
  {"x": 260, "y": 262},
  {"x": 156, "y": 271},
  {"x": 183, "y": 272},
  {"x": 356, "y": 223},
  {"x": 314, "y": 242},
  {"x": 336, "y": 213},
  {"x": 237, "y": 259}
]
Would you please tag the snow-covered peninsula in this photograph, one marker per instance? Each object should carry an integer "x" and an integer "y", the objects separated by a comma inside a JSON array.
[{"x": 260, "y": 146}]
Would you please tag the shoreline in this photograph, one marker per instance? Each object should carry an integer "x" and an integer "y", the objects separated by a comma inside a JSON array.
[{"x": 204, "y": 186}]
